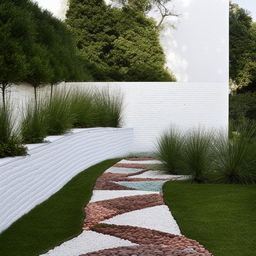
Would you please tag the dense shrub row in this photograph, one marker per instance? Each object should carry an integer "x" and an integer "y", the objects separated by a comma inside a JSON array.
[
  {"x": 55, "y": 115},
  {"x": 242, "y": 106},
  {"x": 210, "y": 157},
  {"x": 36, "y": 48}
]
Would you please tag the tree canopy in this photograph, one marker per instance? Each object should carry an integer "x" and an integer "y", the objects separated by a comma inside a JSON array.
[
  {"x": 242, "y": 48},
  {"x": 123, "y": 43},
  {"x": 36, "y": 48}
]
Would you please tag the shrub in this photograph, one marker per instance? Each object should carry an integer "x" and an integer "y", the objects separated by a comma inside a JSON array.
[
  {"x": 234, "y": 159},
  {"x": 197, "y": 154},
  {"x": 10, "y": 144},
  {"x": 242, "y": 106},
  {"x": 58, "y": 111},
  {"x": 34, "y": 125},
  {"x": 81, "y": 103},
  {"x": 107, "y": 108},
  {"x": 170, "y": 149}
]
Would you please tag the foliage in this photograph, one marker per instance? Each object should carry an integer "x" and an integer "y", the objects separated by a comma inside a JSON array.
[
  {"x": 58, "y": 112},
  {"x": 107, "y": 108},
  {"x": 212, "y": 157},
  {"x": 96, "y": 108},
  {"x": 118, "y": 41},
  {"x": 81, "y": 103},
  {"x": 186, "y": 153},
  {"x": 36, "y": 48},
  {"x": 234, "y": 159},
  {"x": 10, "y": 144},
  {"x": 34, "y": 125},
  {"x": 197, "y": 154},
  {"x": 242, "y": 47},
  {"x": 211, "y": 214},
  {"x": 55, "y": 220},
  {"x": 15, "y": 28},
  {"x": 242, "y": 106},
  {"x": 170, "y": 150}
]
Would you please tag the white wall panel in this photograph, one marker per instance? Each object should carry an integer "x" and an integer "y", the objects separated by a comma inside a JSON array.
[
  {"x": 27, "y": 181},
  {"x": 150, "y": 108}
]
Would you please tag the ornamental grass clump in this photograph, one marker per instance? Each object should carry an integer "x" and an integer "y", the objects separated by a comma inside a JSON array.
[
  {"x": 10, "y": 143},
  {"x": 107, "y": 108},
  {"x": 81, "y": 104},
  {"x": 59, "y": 117},
  {"x": 34, "y": 123},
  {"x": 197, "y": 154},
  {"x": 234, "y": 159},
  {"x": 169, "y": 151}
]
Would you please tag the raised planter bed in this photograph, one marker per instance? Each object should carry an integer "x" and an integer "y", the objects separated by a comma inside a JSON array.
[{"x": 27, "y": 181}]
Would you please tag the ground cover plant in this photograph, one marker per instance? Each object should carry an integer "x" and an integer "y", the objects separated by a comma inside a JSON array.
[
  {"x": 219, "y": 216},
  {"x": 10, "y": 143},
  {"x": 54, "y": 221}
]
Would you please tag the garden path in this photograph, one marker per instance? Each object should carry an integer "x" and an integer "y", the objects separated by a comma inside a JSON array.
[{"x": 127, "y": 217}]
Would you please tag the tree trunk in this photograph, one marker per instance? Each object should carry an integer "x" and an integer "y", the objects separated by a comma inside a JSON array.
[
  {"x": 51, "y": 92},
  {"x": 3, "y": 88},
  {"x": 35, "y": 94}
]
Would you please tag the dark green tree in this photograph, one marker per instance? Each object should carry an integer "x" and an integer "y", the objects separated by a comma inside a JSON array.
[
  {"x": 242, "y": 47},
  {"x": 14, "y": 26},
  {"x": 118, "y": 41},
  {"x": 36, "y": 48}
]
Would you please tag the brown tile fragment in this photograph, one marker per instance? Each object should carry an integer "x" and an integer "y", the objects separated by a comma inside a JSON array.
[
  {"x": 153, "y": 238},
  {"x": 99, "y": 211},
  {"x": 144, "y": 251}
]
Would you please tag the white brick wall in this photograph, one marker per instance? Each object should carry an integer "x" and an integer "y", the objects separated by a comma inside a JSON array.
[
  {"x": 151, "y": 108},
  {"x": 28, "y": 181}
]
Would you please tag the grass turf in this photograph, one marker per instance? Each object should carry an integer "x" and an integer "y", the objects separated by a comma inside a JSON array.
[
  {"x": 54, "y": 221},
  {"x": 220, "y": 217}
]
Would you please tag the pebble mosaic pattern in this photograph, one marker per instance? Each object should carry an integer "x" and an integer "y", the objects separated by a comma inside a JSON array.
[
  {"x": 102, "y": 210},
  {"x": 146, "y": 240}
]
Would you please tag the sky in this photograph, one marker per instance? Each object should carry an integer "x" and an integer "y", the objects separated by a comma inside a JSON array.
[
  {"x": 56, "y": 7},
  {"x": 249, "y": 5}
]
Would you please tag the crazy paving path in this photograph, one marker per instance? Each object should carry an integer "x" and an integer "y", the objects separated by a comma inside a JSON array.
[{"x": 127, "y": 217}]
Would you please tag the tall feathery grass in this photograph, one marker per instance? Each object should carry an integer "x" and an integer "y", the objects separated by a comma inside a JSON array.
[
  {"x": 107, "y": 108},
  {"x": 55, "y": 115},
  {"x": 10, "y": 143},
  {"x": 197, "y": 154},
  {"x": 211, "y": 157},
  {"x": 169, "y": 150},
  {"x": 59, "y": 116},
  {"x": 34, "y": 123},
  {"x": 234, "y": 159},
  {"x": 81, "y": 104}
]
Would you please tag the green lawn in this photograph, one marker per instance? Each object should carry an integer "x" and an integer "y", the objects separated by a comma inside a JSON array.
[
  {"x": 221, "y": 217},
  {"x": 55, "y": 220}
]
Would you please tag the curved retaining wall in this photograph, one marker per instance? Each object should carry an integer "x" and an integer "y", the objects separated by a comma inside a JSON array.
[{"x": 28, "y": 181}]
